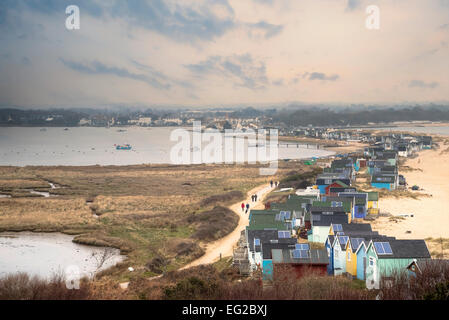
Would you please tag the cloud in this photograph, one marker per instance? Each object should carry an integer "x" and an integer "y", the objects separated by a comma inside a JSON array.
[
  {"x": 279, "y": 82},
  {"x": 200, "y": 21},
  {"x": 159, "y": 75},
  {"x": 205, "y": 20},
  {"x": 91, "y": 7},
  {"x": 353, "y": 5},
  {"x": 248, "y": 73},
  {"x": 267, "y": 29},
  {"x": 422, "y": 84},
  {"x": 25, "y": 61},
  {"x": 155, "y": 80},
  {"x": 270, "y": 2},
  {"x": 322, "y": 76}
]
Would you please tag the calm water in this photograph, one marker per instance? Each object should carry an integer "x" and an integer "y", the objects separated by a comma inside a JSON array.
[
  {"x": 44, "y": 254},
  {"x": 92, "y": 146}
]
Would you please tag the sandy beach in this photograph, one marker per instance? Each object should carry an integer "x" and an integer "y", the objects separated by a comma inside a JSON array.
[{"x": 431, "y": 213}]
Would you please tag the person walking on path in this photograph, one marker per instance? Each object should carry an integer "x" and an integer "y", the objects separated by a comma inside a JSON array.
[
  {"x": 243, "y": 206},
  {"x": 247, "y": 207},
  {"x": 271, "y": 183},
  {"x": 255, "y": 198},
  {"x": 252, "y": 198}
]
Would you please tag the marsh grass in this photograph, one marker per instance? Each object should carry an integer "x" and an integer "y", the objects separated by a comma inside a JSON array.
[{"x": 142, "y": 210}]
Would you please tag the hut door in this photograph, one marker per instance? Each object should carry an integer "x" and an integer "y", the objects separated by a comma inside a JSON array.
[{"x": 364, "y": 267}]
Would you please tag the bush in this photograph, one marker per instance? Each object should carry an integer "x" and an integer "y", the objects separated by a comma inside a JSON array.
[
  {"x": 223, "y": 198},
  {"x": 191, "y": 288},
  {"x": 213, "y": 224},
  {"x": 21, "y": 286},
  {"x": 157, "y": 264},
  {"x": 300, "y": 180},
  {"x": 429, "y": 283}
]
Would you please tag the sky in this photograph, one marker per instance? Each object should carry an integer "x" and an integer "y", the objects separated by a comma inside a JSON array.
[{"x": 222, "y": 52}]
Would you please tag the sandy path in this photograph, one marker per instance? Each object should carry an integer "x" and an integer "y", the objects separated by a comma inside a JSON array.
[
  {"x": 431, "y": 214},
  {"x": 226, "y": 245}
]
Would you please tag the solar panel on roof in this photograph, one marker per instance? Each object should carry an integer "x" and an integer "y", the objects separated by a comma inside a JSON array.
[
  {"x": 343, "y": 239},
  {"x": 296, "y": 254},
  {"x": 303, "y": 254},
  {"x": 356, "y": 242},
  {"x": 387, "y": 248},
  {"x": 283, "y": 234},
  {"x": 379, "y": 248},
  {"x": 337, "y": 227},
  {"x": 302, "y": 246}
]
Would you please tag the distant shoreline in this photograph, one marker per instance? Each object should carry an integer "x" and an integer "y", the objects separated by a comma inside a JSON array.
[{"x": 370, "y": 125}]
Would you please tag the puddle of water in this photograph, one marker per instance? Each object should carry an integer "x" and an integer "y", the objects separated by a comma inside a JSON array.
[
  {"x": 43, "y": 194},
  {"x": 45, "y": 254}
]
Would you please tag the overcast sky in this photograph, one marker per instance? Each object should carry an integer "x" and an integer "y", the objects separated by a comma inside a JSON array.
[{"x": 222, "y": 52}]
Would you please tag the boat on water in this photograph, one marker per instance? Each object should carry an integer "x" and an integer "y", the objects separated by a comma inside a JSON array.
[
  {"x": 43, "y": 129},
  {"x": 123, "y": 147}
]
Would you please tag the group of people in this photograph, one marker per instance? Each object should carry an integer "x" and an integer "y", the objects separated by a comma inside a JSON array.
[
  {"x": 253, "y": 199},
  {"x": 254, "y": 196},
  {"x": 245, "y": 206}
]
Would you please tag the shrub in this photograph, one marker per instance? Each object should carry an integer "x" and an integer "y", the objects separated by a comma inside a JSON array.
[
  {"x": 213, "y": 224},
  {"x": 21, "y": 286},
  {"x": 430, "y": 282},
  {"x": 157, "y": 264},
  {"x": 222, "y": 198},
  {"x": 191, "y": 288}
]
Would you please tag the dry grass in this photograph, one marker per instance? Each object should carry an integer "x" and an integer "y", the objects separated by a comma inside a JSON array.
[
  {"x": 23, "y": 287},
  {"x": 213, "y": 224},
  {"x": 143, "y": 210},
  {"x": 438, "y": 247}
]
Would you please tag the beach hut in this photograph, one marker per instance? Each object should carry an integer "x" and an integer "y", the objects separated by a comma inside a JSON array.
[
  {"x": 361, "y": 260},
  {"x": 373, "y": 202},
  {"x": 384, "y": 182},
  {"x": 301, "y": 261},
  {"x": 351, "y": 255},
  {"x": 336, "y": 184},
  {"x": 339, "y": 257},
  {"x": 321, "y": 223},
  {"x": 388, "y": 257},
  {"x": 329, "y": 246}
]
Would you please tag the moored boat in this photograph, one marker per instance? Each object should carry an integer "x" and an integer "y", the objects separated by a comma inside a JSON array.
[{"x": 123, "y": 147}]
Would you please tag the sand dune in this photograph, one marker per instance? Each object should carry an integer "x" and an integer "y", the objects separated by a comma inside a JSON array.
[{"x": 431, "y": 214}]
